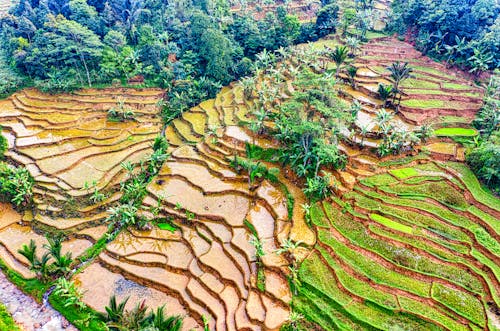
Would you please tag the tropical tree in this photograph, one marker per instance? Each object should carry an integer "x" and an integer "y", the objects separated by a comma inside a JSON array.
[
  {"x": 480, "y": 61},
  {"x": 385, "y": 92},
  {"x": 351, "y": 74},
  {"x": 363, "y": 132},
  {"x": 339, "y": 55},
  {"x": 399, "y": 72}
]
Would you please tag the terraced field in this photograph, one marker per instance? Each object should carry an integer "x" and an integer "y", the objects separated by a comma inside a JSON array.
[
  {"x": 4, "y": 6},
  {"x": 431, "y": 93},
  {"x": 405, "y": 244},
  {"x": 413, "y": 248},
  {"x": 207, "y": 267}
]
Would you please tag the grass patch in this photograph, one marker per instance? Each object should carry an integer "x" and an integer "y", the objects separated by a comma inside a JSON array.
[
  {"x": 32, "y": 287},
  {"x": 424, "y": 103},
  {"x": 452, "y": 132},
  {"x": 454, "y": 119},
  {"x": 485, "y": 217},
  {"x": 439, "y": 191},
  {"x": 373, "y": 270},
  {"x": 454, "y": 86},
  {"x": 462, "y": 303},
  {"x": 404, "y": 173},
  {"x": 391, "y": 224},
  {"x": 84, "y": 319},
  {"x": 416, "y": 218},
  {"x": 379, "y": 180},
  {"x": 360, "y": 288},
  {"x": 422, "y": 179},
  {"x": 416, "y": 307},
  {"x": 402, "y": 256},
  {"x": 7, "y": 323},
  {"x": 472, "y": 183},
  {"x": 482, "y": 236},
  {"x": 403, "y": 160},
  {"x": 419, "y": 84}
]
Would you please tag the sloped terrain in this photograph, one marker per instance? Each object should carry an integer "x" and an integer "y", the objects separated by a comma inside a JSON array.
[
  {"x": 406, "y": 243},
  {"x": 415, "y": 247},
  {"x": 432, "y": 92}
]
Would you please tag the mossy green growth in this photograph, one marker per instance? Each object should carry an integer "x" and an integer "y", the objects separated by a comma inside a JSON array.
[
  {"x": 424, "y": 103},
  {"x": 32, "y": 287},
  {"x": 472, "y": 183},
  {"x": 84, "y": 318},
  {"x": 404, "y": 173},
  {"x": 454, "y": 86},
  {"x": 391, "y": 224},
  {"x": 452, "y": 132},
  {"x": 7, "y": 323},
  {"x": 419, "y": 84},
  {"x": 379, "y": 180},
  {"x": 460, "y": 302}
]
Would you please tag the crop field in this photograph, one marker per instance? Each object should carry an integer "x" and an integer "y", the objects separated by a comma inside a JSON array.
[
  {"x": 421, "y": 255},
  {"x": 404, "y": 242}
]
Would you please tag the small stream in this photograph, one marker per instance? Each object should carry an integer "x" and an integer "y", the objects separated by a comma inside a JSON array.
[{"x": 28, "y": 314}]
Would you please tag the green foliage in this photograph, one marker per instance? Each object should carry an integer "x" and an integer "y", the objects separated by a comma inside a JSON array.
[
  {"x": 44, "y": 270},
  {"x": 464, "y": 33},
  {"x": 16, "y": 184},
  {"x": 122, "y": 216},
  {"x": 484, "y": 159},
  {"x": 6, "y": 320},
  {"x": 117, "y": 318},
  {"x": 317, "y": 188},
  {"x": 96, "y": 42},
  {"x": 327, "y": 19},
  {"x": 121, "y": 112},
  {"x": 71, "y": 294}
]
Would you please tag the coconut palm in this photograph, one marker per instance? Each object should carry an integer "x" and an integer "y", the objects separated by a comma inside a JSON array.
[
  {"x": 339, "y": 56},
  {"x": 399, "y": 72},
  {"x": 353, "y": 44},
  {"x": 385, "y": 92},
  {"x": 351, "y": 74},
  {"x": 363, "y": 132},
  {"x": 383, "y": 117}
]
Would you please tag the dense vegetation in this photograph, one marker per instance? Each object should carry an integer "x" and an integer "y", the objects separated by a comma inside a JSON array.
[
  {"x": 484, "y": 159},
  {"x": 464, "y": 33},
  {"x": 191, "y": 48}
]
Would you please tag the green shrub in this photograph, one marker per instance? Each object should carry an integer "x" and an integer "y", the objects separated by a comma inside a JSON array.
[
  {"x": 16, "y": 184},
  {"x": 6, "y": 320}
]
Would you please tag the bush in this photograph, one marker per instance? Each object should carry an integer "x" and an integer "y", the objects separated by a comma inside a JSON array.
[
  {"x": 16, "y": 184},
  {"x": 326, "y": 22},
  {"x": 485, "y": 162}
]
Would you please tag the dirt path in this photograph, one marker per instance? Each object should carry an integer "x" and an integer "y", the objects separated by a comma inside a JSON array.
[{"x": 28, "y": 314}]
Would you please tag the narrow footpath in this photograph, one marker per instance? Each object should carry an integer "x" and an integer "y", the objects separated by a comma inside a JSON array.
[{"x": 28, "y": 314}]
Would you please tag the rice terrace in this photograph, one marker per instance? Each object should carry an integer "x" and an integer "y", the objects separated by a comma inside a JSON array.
[{"x": 249, "y": 165}]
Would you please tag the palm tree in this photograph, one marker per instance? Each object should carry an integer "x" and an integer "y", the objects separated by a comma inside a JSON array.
[
  {"x": 399, "y": 72},
  {"x": 383, "y": 116},
  {"x": 385, "y": 92},
  {"x": 353, "y": 44},
  {"x": 363, "y": 132},
  {"x": 339, "y": 56},
  {"x": 351, "y": 74}
]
